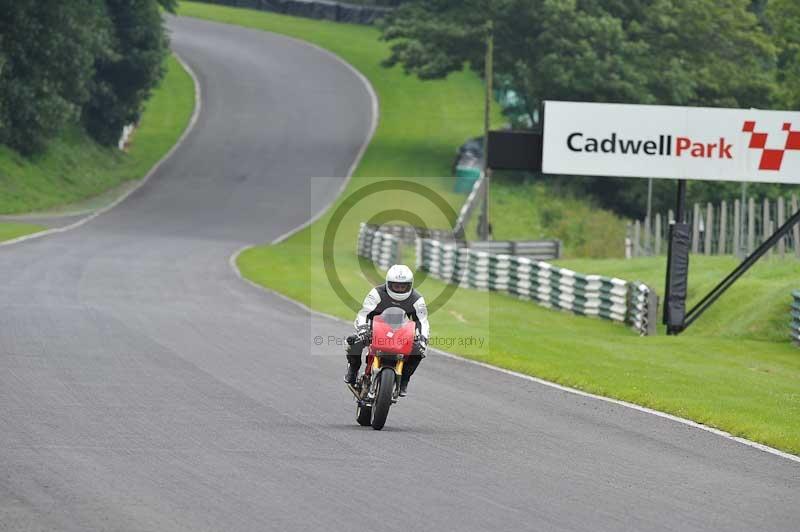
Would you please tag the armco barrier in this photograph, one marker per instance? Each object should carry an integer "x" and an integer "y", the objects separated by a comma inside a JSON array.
[
  {"x": 534, "y": 249},
  {"x": 631, "y": 303},
  {"x": 318, "y": 9},
  {"x": 795, "y": 325},
  {"x": 408, "y": 234}
]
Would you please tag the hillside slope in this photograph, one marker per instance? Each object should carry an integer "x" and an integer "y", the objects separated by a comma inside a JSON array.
[{"x": 74, "y": 167}]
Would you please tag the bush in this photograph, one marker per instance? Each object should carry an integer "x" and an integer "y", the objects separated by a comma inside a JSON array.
[
  {"x": 48, "y": 53},
  {"x": 63, "y": 62},
  {"x": 125, "y": 76}
]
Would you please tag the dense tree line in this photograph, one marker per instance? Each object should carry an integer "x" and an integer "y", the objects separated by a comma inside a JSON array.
[
  {"x": 718, "y": 53},
  {"x": 92, "y": 62}
]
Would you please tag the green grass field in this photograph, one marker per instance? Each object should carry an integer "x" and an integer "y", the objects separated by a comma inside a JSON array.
[
  {"x": 75, "y": 168},
  {"x": 734, "y": 370}
]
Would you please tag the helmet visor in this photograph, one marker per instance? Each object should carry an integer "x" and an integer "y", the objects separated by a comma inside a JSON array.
[{"x": 399, "y": 288}]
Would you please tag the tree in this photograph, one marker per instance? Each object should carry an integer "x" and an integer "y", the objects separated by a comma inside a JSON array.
[
  {"x": 48, "y": 50},
  {"x": 683, "y": 52},
  {"x": 60, "y": 62},
  {"x": 133, "y": 66},
  {"x": 783, "y": 18},
  {"x": 679, "y": 52},
  {"x": 707, "y": 52},
  {"x": 544, "y": 48}
]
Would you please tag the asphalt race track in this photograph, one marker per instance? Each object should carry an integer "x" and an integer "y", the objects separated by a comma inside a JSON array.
[{"x": 144, "y": 386}]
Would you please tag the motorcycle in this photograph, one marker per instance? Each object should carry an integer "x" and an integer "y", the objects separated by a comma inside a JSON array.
[{"x": 391, "y": 340}]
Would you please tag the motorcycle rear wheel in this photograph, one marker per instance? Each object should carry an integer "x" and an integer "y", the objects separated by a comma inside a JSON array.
[{"x": 383, "y": 398}]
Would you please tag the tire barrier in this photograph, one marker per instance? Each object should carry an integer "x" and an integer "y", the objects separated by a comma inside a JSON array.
[
  {"x": 381, "y": 248},
  {"x": 632, "y": 303},
  {"x": 317, "y": 9},
  {"x": 795, "y": 324}
]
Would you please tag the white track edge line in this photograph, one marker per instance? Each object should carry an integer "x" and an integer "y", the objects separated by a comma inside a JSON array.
[
  {"x": 640, "y": 408},
  {"x": 192, "y": 122}
]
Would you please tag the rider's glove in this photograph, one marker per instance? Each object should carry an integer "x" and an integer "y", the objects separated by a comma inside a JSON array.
[
  {"x": 422, "y": 345},
  {"x": 361, "y": 335}
]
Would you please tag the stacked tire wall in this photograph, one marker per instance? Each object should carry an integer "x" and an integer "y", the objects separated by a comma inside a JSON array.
[{"x": 632, "y": 303}]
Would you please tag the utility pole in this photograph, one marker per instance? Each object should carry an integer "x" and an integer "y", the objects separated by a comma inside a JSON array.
[{"x": 484, "y": 228}]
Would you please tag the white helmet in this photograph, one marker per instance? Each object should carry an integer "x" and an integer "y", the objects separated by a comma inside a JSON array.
[{"x": 399, "y": 281}]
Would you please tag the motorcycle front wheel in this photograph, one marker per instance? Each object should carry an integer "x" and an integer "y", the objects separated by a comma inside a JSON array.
[{"x": 383, "y": 398}]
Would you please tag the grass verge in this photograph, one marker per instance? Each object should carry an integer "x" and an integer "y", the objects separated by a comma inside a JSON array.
[
  {"x": 12, "y": 230},
  {"x": 74, "y": 167},
  {"x": 735, "y": 370}
]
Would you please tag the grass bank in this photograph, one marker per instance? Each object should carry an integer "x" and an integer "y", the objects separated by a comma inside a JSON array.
[
  {"x": 74, "y": 167},
  {"x": 12, "y": 230},
  {"x": 525, "y": 211},
  {"x": 735, "y": 370}
]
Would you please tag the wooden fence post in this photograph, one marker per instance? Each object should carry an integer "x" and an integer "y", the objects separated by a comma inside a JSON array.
[
  {"x": 751, "y": 225},
  {"x": 766, "y": 224},
  {"x": 722, "y": 245},
  {"x": 646, "y": 248},
  {"x": 737, "y": 227},
  {"x": 696, "y": 229},
  {"x": 709, "y": 229},
  {"x": 781, "y": 219},
  {"x": 670, "y": 217},
  {"x": 658, "y": 235},
  {"x": 637, "y": 230},
  {"x": 628, "y": 241},
  {"x": 796, "y": 231}
]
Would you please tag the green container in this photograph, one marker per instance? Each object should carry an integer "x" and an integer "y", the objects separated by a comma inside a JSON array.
[{"x": 466, "y": 177}]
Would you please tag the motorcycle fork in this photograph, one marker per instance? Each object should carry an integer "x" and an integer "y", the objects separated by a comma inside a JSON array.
[{"x": 375, "y": 370}]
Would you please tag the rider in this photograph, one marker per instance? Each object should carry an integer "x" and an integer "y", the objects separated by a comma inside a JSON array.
[{"x": 398, "y": 291}]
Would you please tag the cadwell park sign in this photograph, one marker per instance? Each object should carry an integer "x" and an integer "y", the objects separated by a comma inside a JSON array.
[
  {"x": 671, "y": 142},
  {"x": 659, "y": 141}
]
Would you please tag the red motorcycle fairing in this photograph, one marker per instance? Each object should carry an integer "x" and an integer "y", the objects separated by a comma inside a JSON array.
[{"x": 390, "y": 340}]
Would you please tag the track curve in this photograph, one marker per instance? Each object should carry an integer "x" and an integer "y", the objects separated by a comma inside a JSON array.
[{"x": 143, "y": 386}]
